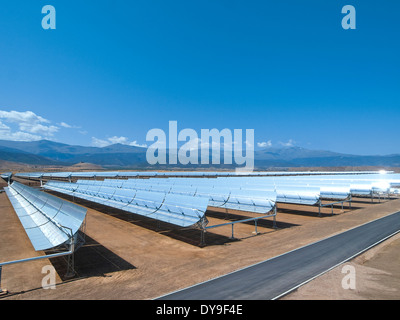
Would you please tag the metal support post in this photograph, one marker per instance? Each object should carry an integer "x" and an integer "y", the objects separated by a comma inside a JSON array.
[
  {"x": 202, "y": 240},
  {"x": 232, "y": 237},
  {"x": 319, "y": 208},
  {"x": 255, "y": 226},
  {"x": 2, "y": 291}
]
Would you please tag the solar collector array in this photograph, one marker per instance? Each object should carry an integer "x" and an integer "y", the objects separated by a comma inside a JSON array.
[
  {"x": 333, "y": 185},
  {"x": 242, "y": 193}
]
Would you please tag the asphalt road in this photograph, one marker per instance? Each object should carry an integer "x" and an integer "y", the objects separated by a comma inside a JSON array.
[{"x": 277, "y": 276}]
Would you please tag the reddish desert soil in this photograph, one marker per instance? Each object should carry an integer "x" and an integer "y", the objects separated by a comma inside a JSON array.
[
  {"x": 377, "y": 277},
  {"x": 128, "y": 257}
]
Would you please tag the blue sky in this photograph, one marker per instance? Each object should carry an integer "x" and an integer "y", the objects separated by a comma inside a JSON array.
[{"x": 113, "y": 70}]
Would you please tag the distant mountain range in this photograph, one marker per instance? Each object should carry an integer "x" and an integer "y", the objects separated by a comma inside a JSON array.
[{"x": 119, "y": 156}]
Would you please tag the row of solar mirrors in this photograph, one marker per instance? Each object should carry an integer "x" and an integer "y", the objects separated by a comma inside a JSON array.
[
  {"x": 184, "y": 201},
  {"x": 49, "y": 221},
  {"x": 126, "y": 174},
  {"x": 180, "y": 206}
]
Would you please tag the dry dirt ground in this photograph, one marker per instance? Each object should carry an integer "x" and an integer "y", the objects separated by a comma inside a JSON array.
[{"x": 128, "y": 257}]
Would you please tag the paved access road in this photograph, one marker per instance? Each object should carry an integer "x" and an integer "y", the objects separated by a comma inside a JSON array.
[{"x": 274, "y": 277}]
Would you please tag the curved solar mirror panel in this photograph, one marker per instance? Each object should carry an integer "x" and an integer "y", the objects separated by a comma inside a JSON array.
[
  {"x": 107, "y": 174},
  {"x": 124, "y": 195},
  {"x": 55, "y": 186},
  {"x": 176, "y": 209},
  {"x": 292, "y": 197},
  {"x": 80, "y": 188},
  {"x": 380, "y": 186},
  {"x": 91, "y": 188},
  {"x": 361, "y": 190},
  {"x": 157, "y": 188},
  {"x": 395, "y": 191},
  {"x": 87, "y": 182},
  {"x": 51, "y": 207},
  {"x": 84, "y": 174},
  {"x": 217, "y": 197},
  {"x": 335, "y": 193},
  {"x": 57, "y": 175},
  {"x": 251, "y": 201},
  {"x": 114, "y": 183},
  {"x": 184, "y": 190},
  {"x": 106, "y": 193},
  {"x": 45, "y": 218},
  {"x": 149, "y": 200}
]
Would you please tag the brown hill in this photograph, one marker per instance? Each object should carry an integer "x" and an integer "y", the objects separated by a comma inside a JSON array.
[{"x": 84, "y": 166}]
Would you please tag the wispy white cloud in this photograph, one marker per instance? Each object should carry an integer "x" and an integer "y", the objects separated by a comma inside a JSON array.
[
  {"x": 99, "y": 143},
  {"x": 290, "y": 143},
  {"x": 136, "y": 144},
  {"x": 264, "y": 144},
  {"x": 113, "y": 140},
  {"x": 65, "y": 125},
  {"x": 68, "y": 126}
]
